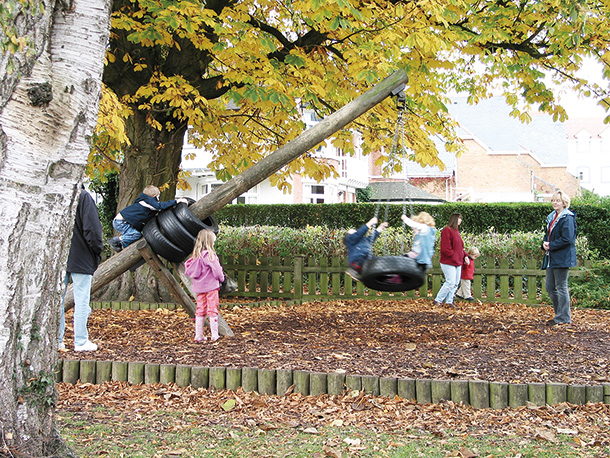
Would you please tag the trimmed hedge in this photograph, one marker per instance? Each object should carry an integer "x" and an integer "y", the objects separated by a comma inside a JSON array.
[
  {"x": 324, "y": 242},
  {"x": 593, "y": 221}
]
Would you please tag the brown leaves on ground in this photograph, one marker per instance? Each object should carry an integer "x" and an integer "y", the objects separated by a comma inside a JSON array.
[
  {"x": 406, "y": 339},
  {"x": 253, "y": 412}
]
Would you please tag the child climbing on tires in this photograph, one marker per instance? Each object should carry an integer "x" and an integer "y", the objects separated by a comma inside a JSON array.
[
  {"x": 204, "y": 268},
  {"x": 130, "y": 221}
]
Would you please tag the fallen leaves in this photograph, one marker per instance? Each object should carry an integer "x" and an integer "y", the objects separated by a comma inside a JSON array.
[
  {"x": 228, "y": 405},
  {"x": 405, "y": 339},
  {"x": 585, "y": 425}
]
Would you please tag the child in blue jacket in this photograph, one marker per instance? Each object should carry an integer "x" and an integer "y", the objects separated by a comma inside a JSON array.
[
  {"x": 131, "y": 220},
  {"x": 422, "y": 251},
  {"x": 359, "y": 244}
]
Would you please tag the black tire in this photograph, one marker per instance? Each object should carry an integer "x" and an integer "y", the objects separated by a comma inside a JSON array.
[
  {"x": 192, "y": 223},
  {"x": 377, "y": 271},
  {"x": 160, "y": 244},
  {"x": 175, "y": 231}
]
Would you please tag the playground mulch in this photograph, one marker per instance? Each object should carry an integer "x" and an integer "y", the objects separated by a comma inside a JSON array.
[{"x": 402, "y": 338}]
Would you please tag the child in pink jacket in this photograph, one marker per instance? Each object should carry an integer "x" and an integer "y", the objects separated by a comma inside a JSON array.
[{"x": 204, "y": 268}]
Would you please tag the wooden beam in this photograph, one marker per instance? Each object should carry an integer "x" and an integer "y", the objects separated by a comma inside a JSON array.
[
  {"x": 164, "y": 275},
  {"x": 224, "y": 194},
  {"x": 267, "y": 166}
]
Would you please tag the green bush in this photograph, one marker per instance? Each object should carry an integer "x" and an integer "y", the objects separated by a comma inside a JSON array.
[
  {"x": 524, "y": 245},
  {"x": 107, "y": 187},
  {"x": 591, "y": 289},
  {"x": 479, "y": 218},
  {"x": 321, "y": 241}
]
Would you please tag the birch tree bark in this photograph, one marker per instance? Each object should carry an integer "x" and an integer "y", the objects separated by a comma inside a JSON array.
[{"x": 50, "y": 73}]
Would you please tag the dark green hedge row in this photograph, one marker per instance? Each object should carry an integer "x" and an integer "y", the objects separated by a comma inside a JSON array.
[{"x": 593, "y": 221}]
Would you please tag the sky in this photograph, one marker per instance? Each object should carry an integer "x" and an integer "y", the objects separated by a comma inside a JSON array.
[{"x": 577, "y": 106}]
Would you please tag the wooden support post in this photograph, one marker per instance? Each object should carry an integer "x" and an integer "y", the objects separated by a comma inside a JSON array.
[{"x": 166, "y": 278}]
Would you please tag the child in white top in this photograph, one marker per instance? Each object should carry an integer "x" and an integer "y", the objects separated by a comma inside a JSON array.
[{"x": 423, "y": 225}]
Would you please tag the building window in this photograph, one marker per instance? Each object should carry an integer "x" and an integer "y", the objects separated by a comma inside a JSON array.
[
  {"x": 343, "y": 168},
  {"x": 584, "y": 145},
  {"x": 317, "y": 189},
  {"x": 583, "y": 174},
  {"x": 314, "y": 117},
  {"x": 316, "y": 201},
  {"x": 605, "y": 175}
]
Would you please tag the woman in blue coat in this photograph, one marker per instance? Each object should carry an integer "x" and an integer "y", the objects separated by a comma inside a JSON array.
[{"x": 559, "y": 244}]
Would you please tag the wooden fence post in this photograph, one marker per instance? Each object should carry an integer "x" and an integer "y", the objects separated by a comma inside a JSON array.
[{"x": 298, "y": 277}]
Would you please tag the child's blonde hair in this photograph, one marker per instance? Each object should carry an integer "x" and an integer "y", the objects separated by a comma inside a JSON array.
[
  {"x": 205, "y": 242},
  {"x": 425, "y": 218},
  {"x": 151, "y": 191},
  {"x": 473, "y": 251}
]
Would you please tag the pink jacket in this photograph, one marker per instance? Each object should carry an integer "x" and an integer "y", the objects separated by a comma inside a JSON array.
[{"x": 206, "y": 274}]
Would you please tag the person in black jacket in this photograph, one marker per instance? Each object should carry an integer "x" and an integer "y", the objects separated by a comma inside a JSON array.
[
  {"x": 85, "y": 255},
  {"x": 131, "y": 220},
  {"x": 559, "y": 244}
]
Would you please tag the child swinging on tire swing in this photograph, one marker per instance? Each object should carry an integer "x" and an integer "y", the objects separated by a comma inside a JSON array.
[{"x": 359, "y": 244}]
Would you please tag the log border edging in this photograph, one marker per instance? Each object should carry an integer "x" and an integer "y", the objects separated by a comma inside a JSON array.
[{"x": 480, "y": 394}]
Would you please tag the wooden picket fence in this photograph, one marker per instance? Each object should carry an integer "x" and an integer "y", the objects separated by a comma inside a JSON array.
[{"x": 303, "y": 279}]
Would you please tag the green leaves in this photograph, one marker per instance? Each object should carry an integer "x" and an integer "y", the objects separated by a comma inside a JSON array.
[{"x": 269, "y": 60}]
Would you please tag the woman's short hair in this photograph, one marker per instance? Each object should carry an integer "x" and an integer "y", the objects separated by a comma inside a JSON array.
[{"x": 563, "y": 196}]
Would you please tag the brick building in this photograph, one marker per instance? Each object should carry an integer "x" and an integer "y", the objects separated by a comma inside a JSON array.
[{"x": 504, "y": 159}]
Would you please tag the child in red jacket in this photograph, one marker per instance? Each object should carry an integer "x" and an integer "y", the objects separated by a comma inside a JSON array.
[{"x": 465, "y": 292}]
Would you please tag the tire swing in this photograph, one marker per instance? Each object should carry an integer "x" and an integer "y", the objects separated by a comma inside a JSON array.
[
  {"x": 175, "y": 231},
  {"x": 394, "y": 273}
]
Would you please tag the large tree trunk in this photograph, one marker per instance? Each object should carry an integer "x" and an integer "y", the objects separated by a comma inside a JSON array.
[
  {"x": 129, "y": 257},
  {"x": 152, "y": 158},
  {"x": 48, "y": 108}
]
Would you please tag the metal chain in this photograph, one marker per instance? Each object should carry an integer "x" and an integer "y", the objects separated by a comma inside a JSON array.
[{"x": 397, "y": 152}]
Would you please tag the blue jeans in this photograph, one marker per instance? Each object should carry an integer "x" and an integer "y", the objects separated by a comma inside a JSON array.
[
  {"x": 557, "y": 286},
  {"x": 129, "y": 233},
  {"x": 81, "y": 287},
  {"x": 452, "y": 281}
]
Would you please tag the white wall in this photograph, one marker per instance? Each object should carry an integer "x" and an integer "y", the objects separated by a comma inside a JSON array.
[
  {"x": 353, "y": 173},
  {"x": 589, "y": 159}
]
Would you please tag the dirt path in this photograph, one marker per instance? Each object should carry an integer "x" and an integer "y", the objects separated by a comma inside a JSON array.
[{"x": 406, "y": 339}]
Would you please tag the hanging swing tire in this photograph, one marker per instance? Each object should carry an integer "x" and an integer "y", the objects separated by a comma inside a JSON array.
[
  {"x": 392, "y": 273},
  {"x": 175, "y": 231},
  {"x": 192, "y": 223},
  {"x": 160, "y": 244}
]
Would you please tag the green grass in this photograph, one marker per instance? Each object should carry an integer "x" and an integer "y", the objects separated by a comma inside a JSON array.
[{"x": 106, "y": 433}]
